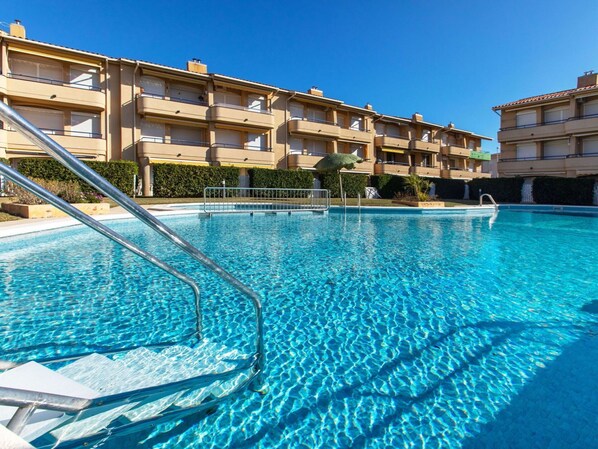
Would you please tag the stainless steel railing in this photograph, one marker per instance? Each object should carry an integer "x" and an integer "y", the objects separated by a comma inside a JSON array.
[
  {"x": 490, "y": 198},
  {"x": 20, "y": 124},
  {"x": 255, "y": 199}
]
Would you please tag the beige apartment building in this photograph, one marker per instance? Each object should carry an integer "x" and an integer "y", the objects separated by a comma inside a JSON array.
[
  {"x": 104, "y": 108},
  {"x": 554, "y": 134}
]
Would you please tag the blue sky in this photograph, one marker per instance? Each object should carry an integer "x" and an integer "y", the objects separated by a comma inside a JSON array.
[{"x": 449, "y": 60}]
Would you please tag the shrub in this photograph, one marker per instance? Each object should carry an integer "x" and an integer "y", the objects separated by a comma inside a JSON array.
[
  {"x": 503, "y": 190},
  {"x": 69, "y": 191},
  {"x": 576, "y": 191},
  {"x": 388, "y": 185},
  {"x": 118, "y": 173},
  {"x": 353, "y": 184},
  {"x": 179, "y": 181},
  {"x": 449, "y": 188},
  {"x": 281, "y": 179}
]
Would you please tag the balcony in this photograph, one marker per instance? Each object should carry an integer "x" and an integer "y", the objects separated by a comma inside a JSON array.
[
  {"x": 585, "y": 124},
  {"x": 225, "y": 155},
  {"x": 89, "y": 146},
  {"x": 431, "y": 172},
  {"x": 455, "y": 151},
  {"x": 52, "y": 92},
  {"x": 391, "y": 168},
  {"x": 582, "y": 164},
  {"x": 162, "y": 107},
  {"x": 355, "y": 135},
  {"x": 392, "y": 142},
  {"x": 173, "y": 150},
  {"x": 539, "y": 131},
  {"x": 363, "y": 167},
  {"x": 477, "y": 174},
  {"x": 312, "y": 128},
  {"x": 428, "y": 147},
  {"x": 238, "y": 115},
  {"x": 455, "y": 173},
  {"x": 304, "y": 161},
  {"x": 533, "y": 167}
]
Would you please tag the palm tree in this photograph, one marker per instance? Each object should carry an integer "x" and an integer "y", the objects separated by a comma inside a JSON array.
[
  {"x": 335, "y": 162},
  {"x": 418, "y": 186}
]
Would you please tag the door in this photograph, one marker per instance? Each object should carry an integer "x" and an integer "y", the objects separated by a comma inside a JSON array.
[
  {"x": 255, "y": 141},
  {"x": 84, "y": 124},
  {"x": 256, "y": 102},
  {"x": 152, "y": 87},
  {"x": 152, "y": 131},
  {"x": 83, "y": 77}
]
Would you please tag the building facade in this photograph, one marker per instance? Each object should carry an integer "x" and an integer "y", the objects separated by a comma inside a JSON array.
[
  {"x": 554, "y": 134},
  {"x": 103, "y": 108}
]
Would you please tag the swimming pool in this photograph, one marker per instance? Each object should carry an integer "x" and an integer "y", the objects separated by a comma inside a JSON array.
[{"x": 381, "y": 330}]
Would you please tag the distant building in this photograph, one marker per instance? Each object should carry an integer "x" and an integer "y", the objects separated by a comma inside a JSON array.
[
  {"x": 104, "y": 108},
  {"x": 554, "y": 134}
]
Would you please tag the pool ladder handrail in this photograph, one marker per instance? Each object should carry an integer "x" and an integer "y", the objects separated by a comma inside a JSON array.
[
  {"x": 490, "y": 198},
  {"x": 60, "y": 154}
]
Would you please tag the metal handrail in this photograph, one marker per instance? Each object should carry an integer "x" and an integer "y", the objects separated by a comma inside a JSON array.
[
  {"x": 490, "y": 198},
  {"x": 37, "y": 137}
]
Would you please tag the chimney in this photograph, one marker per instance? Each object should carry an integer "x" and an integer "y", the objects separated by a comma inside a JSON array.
[
  {"x": 369, "y": 107},
  {"x": 417, "y": 117},
  {"x": 315, "y": 91},
  {"x": 17, "y": 29},
  {"x": 588, "y": 78},
  {"x": 196, "y": 66}
]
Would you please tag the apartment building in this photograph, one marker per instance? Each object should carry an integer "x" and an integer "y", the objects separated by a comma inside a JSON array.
[
  {"x": 104, "y": 108},
  {"x": 554, "y": 134}
]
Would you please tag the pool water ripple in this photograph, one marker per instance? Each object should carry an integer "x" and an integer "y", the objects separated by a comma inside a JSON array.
[{"x": 381, "y": 331}]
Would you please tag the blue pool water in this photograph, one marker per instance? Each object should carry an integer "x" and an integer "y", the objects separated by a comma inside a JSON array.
[{"x": 381, "y": 330}]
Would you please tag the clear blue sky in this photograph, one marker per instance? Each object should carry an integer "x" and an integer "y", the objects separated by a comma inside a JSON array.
[{"x": 449, "y": 60}]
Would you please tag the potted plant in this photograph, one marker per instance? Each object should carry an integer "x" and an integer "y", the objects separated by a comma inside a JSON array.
[{"x": 416, "y": 193}]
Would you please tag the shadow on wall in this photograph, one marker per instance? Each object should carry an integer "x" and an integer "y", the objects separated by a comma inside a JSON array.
[{"x": 557, "y": 409}]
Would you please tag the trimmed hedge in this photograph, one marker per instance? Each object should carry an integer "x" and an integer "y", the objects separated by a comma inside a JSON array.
[
  {"x": 4, "y": 161},
  {"x": 575, "y": 191},
  {"x": 503, "y": 190},
  {"x": 180, "y": 181},
  {"x": 449, "y": 188},
  {"x": 280, "y": 179},
  {"x": 388, "y": 185},
  {"x": 118, "y": 173},
  {"x": 353, "y": 184}
]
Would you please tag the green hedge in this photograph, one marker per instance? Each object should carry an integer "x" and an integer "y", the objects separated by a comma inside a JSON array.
[
  {"x": 179, "y": 181},
  {"x": 353, "y": 184},
  {"x": 118, "y": 173},
  {"x": 4, "y": 160},
  {"x": 388, "y": 185},
  {"x": 503, "y": 190},
  {"x": 449, "y": 188},
  {"x": 575, "y": 191},
  {"x": 280, "y": 179}
]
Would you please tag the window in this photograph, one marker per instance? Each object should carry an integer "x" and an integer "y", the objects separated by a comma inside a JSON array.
[
  {"x": 358, "y": 150},
  {"x": 556, "y": 148},
  {"x": 526, "y": 151},
  {"x": 30, "y": 67},
  {"x": 49, "y": 121},
  {"x": 379, "y": 127},
  {"x": 296, "y": 110},
  {"x": 84, "y": 77},
  {"x": 186, "y": 135},
  {"x": 227, "y": 98},
  {"x": 471, "y": 145},
  {"x": 255, "y": 141},
  {"x": 84, "y": 124},
  {"x": 357, "y": 123},
  {"x": 188, "y": 94},
  {"x": 557, "y": 114},
  {"x": 256, "y": 102},
  {"x": 295, "y": 146},
  {"x": 153, "y": 87},
  {"x": 589, "y": 145},
  {"x": 315, "y": 147},
  {"x": 426, "y": 134},
  {"x": 444, "y": 139},
  {"x": 590, "y": 107},
  {"x": 229, "y": 138},
  {"x": 152, "y": 131},
  {"x": 526, "y": 118},
  {"x": 316, "y": 115},
  {"x": 341, "y": 120},
  {"x": 426, "y": 160}
]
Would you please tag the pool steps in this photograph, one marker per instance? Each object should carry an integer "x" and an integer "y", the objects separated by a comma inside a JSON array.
[{"x": 95, "y": 376}]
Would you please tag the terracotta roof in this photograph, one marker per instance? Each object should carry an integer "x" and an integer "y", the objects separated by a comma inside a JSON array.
[{"x": 544, "y": 97}]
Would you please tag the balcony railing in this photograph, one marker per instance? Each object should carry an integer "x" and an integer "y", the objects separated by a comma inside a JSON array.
[
  {"x": 241, "y": 147},
  {"x": 199, "y": 101},
  {"x": 315, "y": 120},
  {"x": 545, "y": 158},
  {"x": 66, "y": 132},
  {"x": 552, "y": 122},
  {"x": 244, "y": 108},
  {"x": 37, "y": 79},
  {"x": 165, "y": 140},
  {"x": 405, "y": 164}
]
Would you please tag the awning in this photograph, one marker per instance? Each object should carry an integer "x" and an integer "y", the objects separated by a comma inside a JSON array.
[
  {"x": 479, "y": 155},
  {"x": 393, "y": 150}
]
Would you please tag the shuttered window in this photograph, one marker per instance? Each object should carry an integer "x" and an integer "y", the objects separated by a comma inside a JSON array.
[
  {"x": 296, "y": 110},
  {"x": 315, "y": 147},
  {"x": 152, "y": 131},
  {"x": 151, "y": 86},
  {"x": 36, "y": 68},
  {"x": 590, "y": 145},
  {"x": 230, "y": 138},
  {"x": 84, "y": 124},
  {"x": 187, "y": 94},
  {"x": 295, "y": 146},
  {"x": 48, "y": 120},
  {"x": 186, "y": 135},
  {"x": 526, "y": 151},
  {"x": 557, "y": 114},
  {"x": 227, "y": 98},
  {"x": 590, "y": 107},
  {"x": 526, "y": 118},
  {"x": 556, "y": 148},
  {"x": 316, "y": 115}
]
